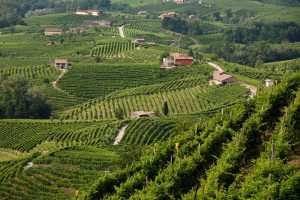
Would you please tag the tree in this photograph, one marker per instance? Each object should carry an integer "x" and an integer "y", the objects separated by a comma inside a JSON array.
[
  {"x": 191, "y": 53},
  {"x": 164, "y": 55},
  {"x": 119, "y": 113},
  {"x": 18, "y": 101},
  {"x": 166, "y": 109},
  {"x": 97, "y": 59},
  {"x": 39, "y": 107}
]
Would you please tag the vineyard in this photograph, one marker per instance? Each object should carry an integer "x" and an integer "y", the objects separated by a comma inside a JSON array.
[
  {"x": 196, "y": 140},
  {"x": 223, "y": 145},
  {"x": 97, "y": 80},
  {"x": 189, "y": 100},
  {"x": 25, "y": 135},
  {"x": 148, "y": 131},
  {"x": 33, "y": 74},
  {"x": 113, "y": 50},
  {"x": 48, "y": 178}
]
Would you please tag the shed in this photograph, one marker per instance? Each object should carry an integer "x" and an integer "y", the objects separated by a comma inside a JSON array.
[
  {"x": 269, "y": 83},
  {"x": 139, "y": 114},
  {"x": 61, "y": 63}
]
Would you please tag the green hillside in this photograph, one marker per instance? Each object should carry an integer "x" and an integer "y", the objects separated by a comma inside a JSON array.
[{"x": 201, "y": 104}]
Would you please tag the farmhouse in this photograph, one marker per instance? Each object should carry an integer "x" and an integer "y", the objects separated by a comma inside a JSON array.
[
  {"x": 180, "y": 1},
  {"x": 193, "y": 17},
  {"x": 54, "y": 31},
  {"x": 180, "y": 59},
  {"x": 167, "y": 14},
  {"x": 99, "y": 23},
  {"x": 138, "y": 41},
  {"x": 61, "y": 63},
  {"x": 221, "y": 78},
  {"x": 139, "y": 114},
  {"x": 88, "y": 12},
  {"x": 269, "y": 83},
  {"x": 50, "y": 43},
  {"x": 76, "y": 31}
]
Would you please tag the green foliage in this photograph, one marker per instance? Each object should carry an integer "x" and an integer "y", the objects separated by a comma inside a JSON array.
[{"x": 18, "y": 101}]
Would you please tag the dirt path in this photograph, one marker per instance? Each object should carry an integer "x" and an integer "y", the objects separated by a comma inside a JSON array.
[
  {"x": 252, "y": 88},
  {"x": 54, "y": 83},
  {"x": 120, "y": 135},
  {"x": 121, "y": 31}
]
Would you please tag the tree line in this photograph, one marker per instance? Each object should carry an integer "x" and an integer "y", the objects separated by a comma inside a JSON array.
[
  {"x": 182, "y": 26},
  {"x": 18, "y": 100},
  {"x": 259, "y": 31},
  {"x": 12, "y": 11}
]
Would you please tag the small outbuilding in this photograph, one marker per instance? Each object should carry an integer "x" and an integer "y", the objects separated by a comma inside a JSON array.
[
  {"x": 88, "y": 12},
  {"x": 139, "y": 114},
  {"x": 50, "y": 43},
  {"x": 61, "y": 64},
  {"x": 138, "y": 41},
  {"x": 269, "y": 83}
]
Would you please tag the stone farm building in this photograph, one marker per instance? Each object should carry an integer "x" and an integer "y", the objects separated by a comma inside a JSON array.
[
  {"x": 61, "y": 63},
  {"x": 269, "y": 83},
  {"x": 139, "y": 114},
  {"x": 167, "y": 14},
  {"x": 180, "y": 1},
  {"x": 54, "y": 31},
  {"x": 88, "y": 12},
  {"x": 138, "y": 41},
  {"x": 221, "y": 78},
  {"x": 179, "y": 59},
  {"x": 99, "y": 23}
]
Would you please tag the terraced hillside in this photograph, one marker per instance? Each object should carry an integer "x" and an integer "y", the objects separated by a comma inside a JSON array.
[
  {"x": 100, "y": 79},
  {"x": 189, "y": 100},
  {"x": 24, "y": 135},
  {"x": 46, "y": 176}
]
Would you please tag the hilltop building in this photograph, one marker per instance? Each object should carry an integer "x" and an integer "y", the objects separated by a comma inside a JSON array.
[
  {"x": 99, "y": 23},
  {"x": 167, "y": 14},
  {"x": 180, "y": 1},
  {"x": 269, "y": 83},
  {"x": 139, "y": 114},
  {"x": 54, "y": 31},
  {"x": 88, "y": 12},
  {"x": 221, "y": 78},
  {"x": 61, "y": 64}
]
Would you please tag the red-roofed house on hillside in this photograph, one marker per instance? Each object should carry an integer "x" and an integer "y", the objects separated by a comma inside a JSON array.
[
  {"x": 88, "y": 12},
  {"x": 61, "y": 63},
  {"x": 180, "y": 59},
  {"x": 221, "y": 78}
]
